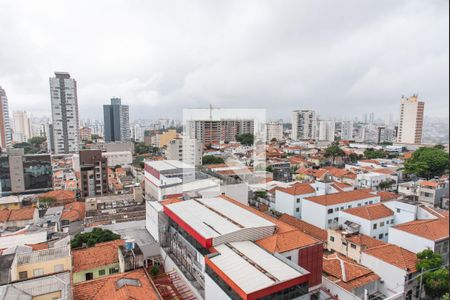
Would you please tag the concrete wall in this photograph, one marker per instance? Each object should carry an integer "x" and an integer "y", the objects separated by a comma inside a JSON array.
[{"x": 409, "y": 241}]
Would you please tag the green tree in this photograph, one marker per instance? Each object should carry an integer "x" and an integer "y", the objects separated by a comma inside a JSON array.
[
  {"x": 334, "y": 151},
  {"x": 47, "y": 201},
  {"x": 387, "y": 184},
  {"x": 427, "y": 162},
  {"x": 27, "y": 148},
  {"x": 435, "y": 276},
  {"x": 141, "y": 148},
  {"x": 97, "y": 235},
  {"x": 37, "y": 140},
  {"x": 211, "y": 159},
  {"x": 245, "y": 139},
  {"x": 371, "y": 153}
]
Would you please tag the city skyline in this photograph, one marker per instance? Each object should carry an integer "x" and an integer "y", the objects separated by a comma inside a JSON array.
[{"x": 156, "y": 68}]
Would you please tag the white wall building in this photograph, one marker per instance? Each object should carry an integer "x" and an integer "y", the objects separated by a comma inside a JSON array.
[
  {"x": 411, "y": 120},
  {"x": 347, "y": 130},
  {"x": 188, "y": 150},
  {"x": 289, "y": 200},
  {"x": 5, "y": 126},
  {"x": 304, "y": 124},
  {"x": 63, "y": 93},
  {"x": 122, "y": 158},
  {"x": 274, "y": 131},
  {"x": 22, "y": 127},
  {"x": 326, "y": 130},
  {"x": 323, "y": 211}
]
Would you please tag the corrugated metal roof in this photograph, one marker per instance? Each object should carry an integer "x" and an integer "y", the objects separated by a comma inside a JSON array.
[{"x": 251, "y": 267}]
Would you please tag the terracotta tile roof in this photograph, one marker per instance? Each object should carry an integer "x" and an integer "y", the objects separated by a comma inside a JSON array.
[
  {"x": 432, "y": 184},
  {"x": 4, "y": 215},
  {"x": 305, "y": 227},
  {"x": 387, "y": 196},
  {"x": 74, "y": 211},
  {"x": 336, "y": 172},
  {"x": 108, "y": 288},
  {"x": 394, "y": 255},
  {"x": 101, "y": 254},
  {"x": 385, "y": 171},
  {"x": 365, "y": 241},
  {"x": 437, "y": 212},
  {"x": 341, "y": 186},
  {"x": 371, "y": 212},
  {"x": 312, "y": 172},
  {"x": 286, "y": 241},
  {"x": 61, "y": 196},
  {"x": 341, "y": 197},
  {"x": 39, "y": 246},
  {"x": 434, "y": 230},
  {"x": 22, "y": 214},
  {"x": 347, "y": 273},
  {"x": 298, "y": 189}
]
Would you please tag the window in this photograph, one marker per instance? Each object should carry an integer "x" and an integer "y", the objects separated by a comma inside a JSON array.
[
  {"x": 374, "y": 226},
  {"x": 298, "y": 200},
  {"x": 332, "y": 238},
  {"x": 89, "y": 276},
  {"x": 382, "y": 224},
  {"x": 353, "y": 246},
  {"x": 330, "y": 211},
  {"x": 380, "y": 236},
  {"x": 359, "y": 204},
  {"x": 102, "y": 272},
  {"x": 113, "y": 270},
  {"x": 349, "y": 206},
  {"x": 370, "y": 202},
  {"x": 398, "y": 210},
  {"x": 288, "y": 257},
  {"x": 59, "y": 268},
  {"x": 38, "y": 272},
  {"x": 297, "y": 209},
  {"x": 344, "y": 243},
  {"x": 329, "y": 221},
  {"x": 23, "y": 275}
]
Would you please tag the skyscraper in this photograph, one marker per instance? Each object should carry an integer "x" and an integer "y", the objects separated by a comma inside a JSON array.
[
  {"x": 22, "y": 127},
  {"x": 347, "y": 130},
  {"x": 274, "y": 131},
  {"x": 304, "y": 124},
  {"x": 117, "y": 121},
  {"x": 326, "y": 129},
  {"x": 94, "y": 181},
  {"x": 63, "y": 93},
  {"x": 411, "y": 120},
  {"x": 5, "y": 127}
]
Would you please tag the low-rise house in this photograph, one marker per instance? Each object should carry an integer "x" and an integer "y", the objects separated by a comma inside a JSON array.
[
  {"x": 55, "y": 286},
  {"x": 350, "y": 244},
  {"x": 24, "y": 236},
  {"x": 95, "y": 262},
  {"x": 371, "y": 180},
  {"x": 18, "y": 217},
  {"x": 419, "y": 235},
  {"x": 131, "y": 285},
  {"x": 373, "y": 220},
  {"x": 43, "y": 262},
  {"x": 314, "y": 231},
  {"x": 425, "y": 191},
  {"x": 323, "y": 211},
  {"x": 10, "y": 202},
  {"x": 310, "y": 174},
  {"x": 61, "y": 197},
  {"x": 396, "y": 267},
  {"x": 289, "y": 200},
  {"x": 345, "y": 279},
  {"x": 72, "y": 217}
]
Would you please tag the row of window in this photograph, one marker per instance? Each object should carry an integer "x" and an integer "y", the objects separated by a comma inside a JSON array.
[
  {"x": 40, "y": 271},
  {"x": 331, "y": 210}
]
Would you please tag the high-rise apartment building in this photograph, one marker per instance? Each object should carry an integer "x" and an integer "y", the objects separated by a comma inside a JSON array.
[
  {"x": 411, "y": 120},
  {"x": 21, "y": 127},
  {"x": 208, "y": 132},
  {"x": 5, "y": 127},
  {"x": 63, "y": 93},
  {"x": 326, "y": 130},
  {"x": 186, "y": 150},
  {"x": 117, "y": 121},
  {"x": 93, "y": 174},
  {"x": 347, "y": 130},
  {"x": 304, "y": 124},
  {"x": 274, "y": 131}
]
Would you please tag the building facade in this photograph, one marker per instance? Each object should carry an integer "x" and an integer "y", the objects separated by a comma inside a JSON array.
[
  {"x": 94, "y": 178},
  {"x": 304, "y": 124},
  {"x": 326, "y": 129},
  {"x": 5, "y": 126},
  {"x": 22, "y": 127},
  {"x": 274, "y": 131},
  {"x": 347, "y": 130},
  {"x": 185, "y": 149},
  {"x": 63, "y": 93},
  {"x": 411, "y": 120},
  {"x": 116, "y": 121}
]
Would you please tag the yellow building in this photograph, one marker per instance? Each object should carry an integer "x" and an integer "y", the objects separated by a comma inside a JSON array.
[
  {"x": 164, "y": 138},
  {"x": 9, "y": 202},
  {"x": 42, "y": 262}
]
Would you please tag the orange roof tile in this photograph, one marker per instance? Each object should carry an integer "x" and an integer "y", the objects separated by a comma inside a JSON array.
[
  {"x": 4, "y": 215},
  {"x": 387, "y": 196},
  {"x": 347, "y": 273},
  {"x": 286, "y": 241},
  {"x": 364, "y": 241},
  {"x": 341, "y": 197},
  {"x": 74, "y": 211},
  {"x": 61, "y": 196},
  {"x": 371, "y": 212},
  {"x": 305, "y": 227},
  {"x": 22, "y": 214},
  {"x": 298, "y": 189},
  {"x": 437, "y": 212},
  {"x": 101, "y": 254},
  {"x": 336, "y": 172},
  {"x": 395, "y": 255},
  {"x": 435, "y": 230},
  {"x": 385, "y": 171},
  {"x": 39, "y": 246},
  {"x": 432, "y": 184},
  {"x": 107, "y": 288}
]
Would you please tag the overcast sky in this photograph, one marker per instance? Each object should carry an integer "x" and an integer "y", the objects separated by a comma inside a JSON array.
[{"x": 341, "y": 58}]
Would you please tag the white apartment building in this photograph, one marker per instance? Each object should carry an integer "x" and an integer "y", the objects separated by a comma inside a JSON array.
[
  {"x": 371, "y": 180},
  {"x": 188, "y": 150},
  {"x": 323, "y": 211},
  {"x": 347, "y": 130},
  {"x": 326, "y": 130},
  {"x": 5, "y": 126},
  {"x": 304, "y": 124},
  {"x": 411, "y": 120},
  {"x": 373, "y": 220},
  {"x": 22, "y": 127},
  {"x": 289, "y": 200},
  {"x": 274, "y": 131},
  {"x": 63, "y": 93},
  {"x": 121, "y": 158}
]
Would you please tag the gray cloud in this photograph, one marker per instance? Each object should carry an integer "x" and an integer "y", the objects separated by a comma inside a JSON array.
[{"x": 342, "y": 58}]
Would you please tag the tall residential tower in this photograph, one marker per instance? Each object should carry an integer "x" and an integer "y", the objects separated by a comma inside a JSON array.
[
  {"x": 63, "y": 93},
  {"x": 411, "y": 120},
  {"x": 5, "y": 127},
  {"x": 304, "y": 124}
]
